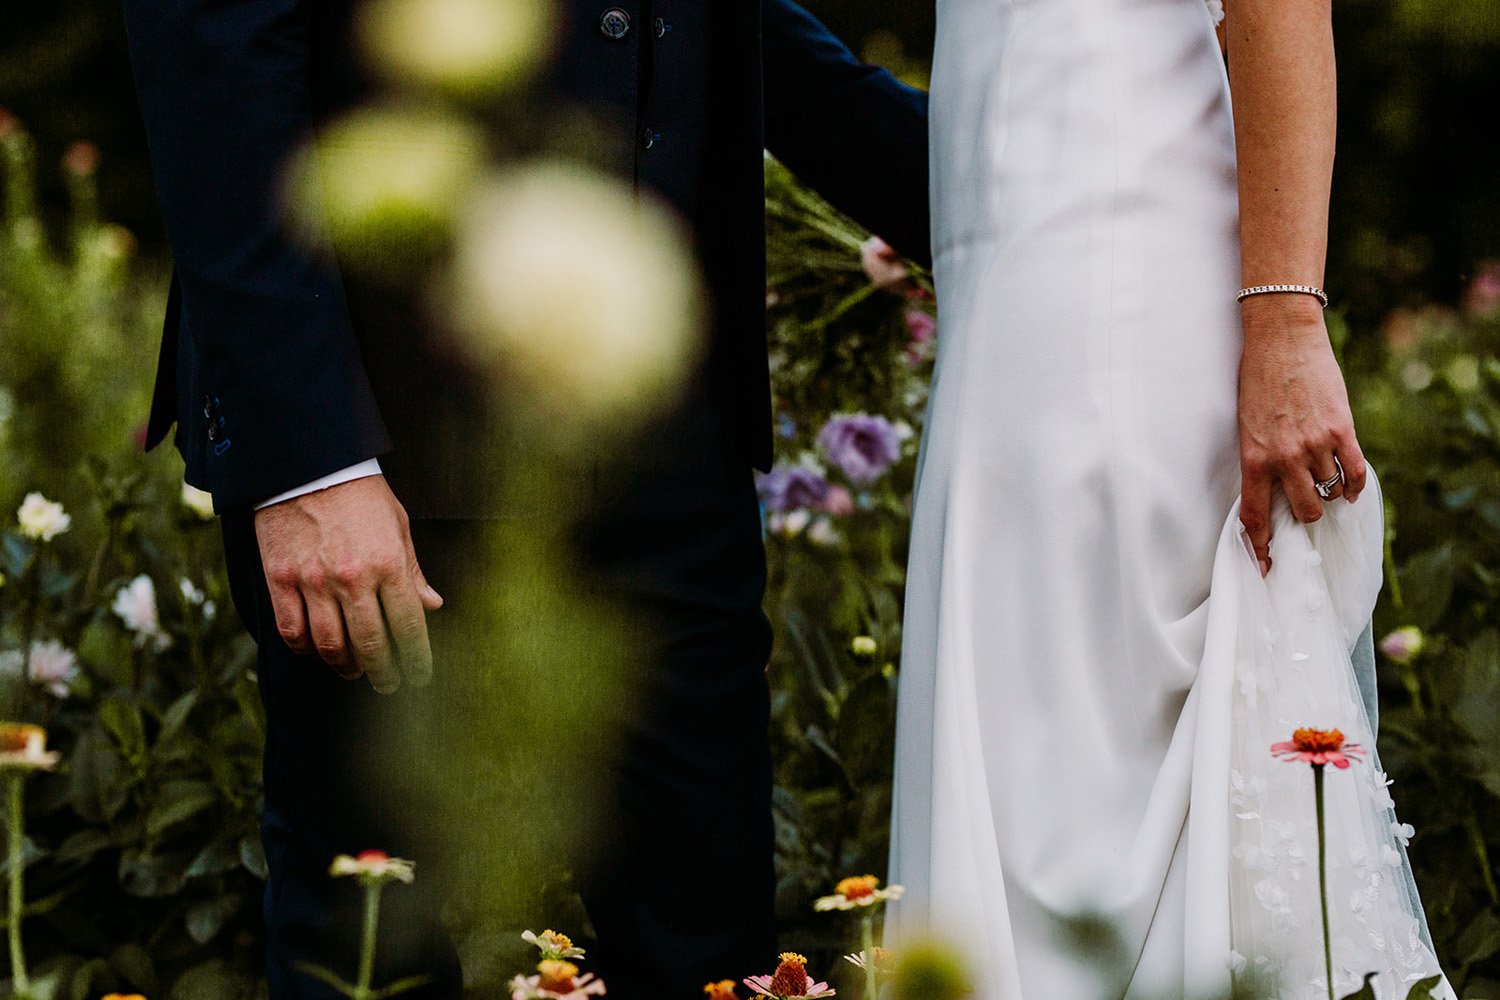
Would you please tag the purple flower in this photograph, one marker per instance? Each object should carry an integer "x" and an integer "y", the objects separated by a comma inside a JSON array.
[
  {"x": 789, "y": 487},
  {"x": 864, "y": 447}
]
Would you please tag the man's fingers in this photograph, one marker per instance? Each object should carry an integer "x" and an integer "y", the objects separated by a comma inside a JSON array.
[
  {"x": 408, "y": 623},
  {"x": 328, "y": 637},
  {"x": 431, "y": 599},
  {"x": 291, "y": 618},
  {"x": 1255, "y": 514},
  {"x": 368, "y": 642}
]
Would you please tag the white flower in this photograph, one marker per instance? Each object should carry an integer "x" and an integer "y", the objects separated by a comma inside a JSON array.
[
  {"x": 42, "y": 519},
  {"x": 822, "y": 532},
  {"x": 24, "y": 747},
  {"x": 1404, "y": 644},
  {"x": 198, "y": 501},
  {"x": 135, "y": 604},
  {"x": 190, "y": 591},
  {"x": 373, "y": 866},
  {"x": 568, "y": 279},
  {"x": 53, "y": 665}
]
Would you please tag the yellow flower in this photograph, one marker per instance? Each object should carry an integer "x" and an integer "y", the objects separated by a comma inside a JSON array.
[
  {"x": 553, "y": 945},
  {"x": 863, "y": 645},
  {"x": 722, "y": 990},
  {"x": 857, "y": 891},
  {"x": 122, "y": 996},
  {"x": 24, "y": 747}
]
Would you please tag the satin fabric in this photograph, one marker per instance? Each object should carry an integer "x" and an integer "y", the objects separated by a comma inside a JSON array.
[{"x": 1065, "y": 727}]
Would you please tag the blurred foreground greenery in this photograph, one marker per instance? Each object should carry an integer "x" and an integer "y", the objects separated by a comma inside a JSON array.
[{"x": 142, "y": 856}]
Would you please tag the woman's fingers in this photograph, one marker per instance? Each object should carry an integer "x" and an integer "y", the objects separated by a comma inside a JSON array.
[
  {"x": 1325, "y": 469},
  {"x": 1355, "y": 470},
  {"x": 1255, "y": 512}
]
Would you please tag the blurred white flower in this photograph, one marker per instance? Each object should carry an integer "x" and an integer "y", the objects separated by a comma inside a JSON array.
[
  {"x": 588, "y": 292},
  {"x": 822, "y": 532},
  {"x": 42, "y": 519},
  {"x": 135, "y": 604},
  {"x": 1404, "y": 644},
  {"x": 190, "y": 591},
  {"x": 384, "y": 183},
  {"x": 373, "y": 867},
  {"x": 198, "y": 501},
  {"x": 1463, "y": 373},
  {"x": 864, "y": 645},
  {"x": 53, "y": 666},
  {"x": 463, "y": 47},
  {"x": 1416, "y": 376}
]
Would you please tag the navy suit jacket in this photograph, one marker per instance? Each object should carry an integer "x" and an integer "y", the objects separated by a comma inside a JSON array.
[{"x": 277, "y": 369}]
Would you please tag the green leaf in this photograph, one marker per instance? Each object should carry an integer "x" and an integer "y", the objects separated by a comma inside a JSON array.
[
  {"x": 179, "y": 801},
  {"x": 106, "y": 651},
  {"x": 1366, "y": 992},
  {"x": 98, "y": 783},
  {"x": 1427, "y": 585},
  {"x": 253, "y": 856},
  {"x": 83, "y": 845},
  {"x": 133, "y": 963},
  {"x": 207, "y": 917},
  {"x": 1422, "y": 990},
  {"x": 175, "y": 717},
  {"x": 123, "y": 720},
  {"x": 212, "y": 980},
  {"x": 1480, "y": 940},
  {"x": 152, "y": 876}
]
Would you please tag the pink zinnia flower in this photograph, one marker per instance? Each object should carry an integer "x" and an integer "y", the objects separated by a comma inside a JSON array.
[
  {"x": 882, "y": 264},
  {"x": 789, "y": 982},
  {"x": 1318, "y": 747}
]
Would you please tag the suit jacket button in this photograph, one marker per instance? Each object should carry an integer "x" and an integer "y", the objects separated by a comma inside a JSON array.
[{"x": 615, "y": 23}]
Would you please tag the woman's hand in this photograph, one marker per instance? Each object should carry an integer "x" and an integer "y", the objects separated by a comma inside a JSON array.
[{"x": 1294, "y": 415}]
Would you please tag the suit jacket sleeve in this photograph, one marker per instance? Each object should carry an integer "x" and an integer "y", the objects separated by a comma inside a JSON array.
[
  {"x": 224, "y": 88},
  {"x": 852, "y": 131}
]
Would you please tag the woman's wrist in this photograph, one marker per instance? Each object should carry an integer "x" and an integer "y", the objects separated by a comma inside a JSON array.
[{"x": 1278, "y": 317}]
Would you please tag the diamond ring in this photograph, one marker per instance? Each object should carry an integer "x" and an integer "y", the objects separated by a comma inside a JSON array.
[{"x": 1326, "y": 487}]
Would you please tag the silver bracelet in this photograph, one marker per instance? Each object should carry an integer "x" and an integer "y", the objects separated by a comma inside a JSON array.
[{"x": 1312, "y": 290}]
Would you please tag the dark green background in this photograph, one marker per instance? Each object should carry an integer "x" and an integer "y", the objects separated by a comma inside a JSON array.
[{"x": 1416, "y": 203}]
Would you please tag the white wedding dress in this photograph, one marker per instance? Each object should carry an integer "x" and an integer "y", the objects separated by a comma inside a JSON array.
[{"x": 1094, "y": 670}]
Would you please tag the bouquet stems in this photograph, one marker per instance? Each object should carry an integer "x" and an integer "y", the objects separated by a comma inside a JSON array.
[{"x": 1323, "y": 875}]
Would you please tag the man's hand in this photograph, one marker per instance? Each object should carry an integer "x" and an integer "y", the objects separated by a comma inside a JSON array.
[{"x": 345, "y": 583}]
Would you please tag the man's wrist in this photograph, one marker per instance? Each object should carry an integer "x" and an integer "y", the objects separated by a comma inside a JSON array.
[{"x": 361, "y": 470}]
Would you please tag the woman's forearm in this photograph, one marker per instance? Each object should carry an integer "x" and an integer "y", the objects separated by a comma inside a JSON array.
[{"x": 1282, "y": 76}]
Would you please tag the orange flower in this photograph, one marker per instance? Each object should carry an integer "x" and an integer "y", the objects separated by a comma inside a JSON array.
[
  {"x": 556, "y": 975},
  {"x": 24, "y": 746},
  {"x": 1318, "y": 747},
  {"x": 857, "y": 891},
  {"x": 722, "y": 990},
  {"x": 122, "y": 996}
]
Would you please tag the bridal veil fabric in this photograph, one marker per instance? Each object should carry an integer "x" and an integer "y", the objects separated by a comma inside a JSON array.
[{"x": 1094, "y": 670}]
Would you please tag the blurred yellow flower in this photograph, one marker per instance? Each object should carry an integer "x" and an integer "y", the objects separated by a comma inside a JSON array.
[
  {"x": 23, "y": 747},
  {"x": 857, "y": 891},
  {"x": 383, "y": 183},
  {"x": 552, "y": 944},
  {"x": 466, "y": 48}
]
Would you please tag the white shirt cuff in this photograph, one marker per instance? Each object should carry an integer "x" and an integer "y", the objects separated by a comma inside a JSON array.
[{"x": 369, "y": 467}]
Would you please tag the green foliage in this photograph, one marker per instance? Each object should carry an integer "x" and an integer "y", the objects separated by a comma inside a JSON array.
[{"x": 143, "y": 853}]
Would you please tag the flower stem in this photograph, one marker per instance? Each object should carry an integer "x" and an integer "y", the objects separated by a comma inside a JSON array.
[
  {"x": 362, "y": 989},
  {"x": 1323, "y": 875},
  {"x": 867, "y": 927},
  {"x": 20, "y": 983}
]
